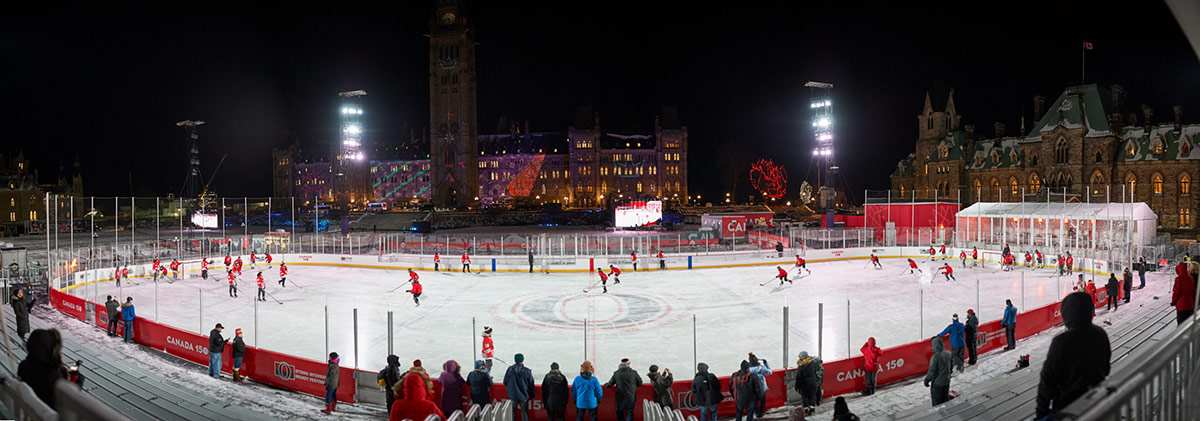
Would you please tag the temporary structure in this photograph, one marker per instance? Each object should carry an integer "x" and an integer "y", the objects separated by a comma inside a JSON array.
[{"x": 1057, "y": 225}]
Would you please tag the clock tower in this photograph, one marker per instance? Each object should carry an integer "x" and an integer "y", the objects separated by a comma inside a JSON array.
[{"x": 453, "y": 150}]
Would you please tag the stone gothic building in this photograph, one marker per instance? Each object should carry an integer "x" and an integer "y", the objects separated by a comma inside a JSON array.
[{"x": 1084, "y": 147}]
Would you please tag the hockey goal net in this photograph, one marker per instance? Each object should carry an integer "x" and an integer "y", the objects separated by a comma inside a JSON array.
[{"x": 990, "y": 259}]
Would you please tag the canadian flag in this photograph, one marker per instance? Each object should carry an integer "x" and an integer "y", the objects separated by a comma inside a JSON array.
[{"x": 1087, "y": 45}]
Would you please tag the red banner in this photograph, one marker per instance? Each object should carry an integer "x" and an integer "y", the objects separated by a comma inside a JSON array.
[
  {"x": 293, "y": 373},
  {"x": 71, "y": 305}
]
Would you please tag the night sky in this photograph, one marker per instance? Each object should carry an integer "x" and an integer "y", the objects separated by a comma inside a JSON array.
[{"x": 108, "y": 84}]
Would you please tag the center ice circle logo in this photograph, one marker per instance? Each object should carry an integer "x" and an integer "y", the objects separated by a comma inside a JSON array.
[{"x": 623, "y": 311}]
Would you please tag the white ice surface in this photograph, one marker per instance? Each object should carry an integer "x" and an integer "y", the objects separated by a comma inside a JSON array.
[{"x": 648, "y": 317}]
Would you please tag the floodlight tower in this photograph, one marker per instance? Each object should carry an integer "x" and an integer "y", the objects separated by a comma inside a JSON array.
[
  {"x": 349, "y": 157},
  {"x": 821, "y": 106},
  {"x": 192, "y": 184}
]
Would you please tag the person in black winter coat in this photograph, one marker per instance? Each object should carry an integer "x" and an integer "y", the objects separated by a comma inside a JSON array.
[
  {"x": 706, "y": 393},
  {"x": 662, "y": 386},
  {"x": 480, "y": 381},
  {"x": 555, "y": 393},
  {"x": 113, "y": 307},
  {"x": 937, "y": 379},
  {"x": 807, "y": 382},
  {"x": 238, "y": 352},
  {"x": 746, "y": 390},
  {"x": 841, "y": 411},
  {"x": 42, "y": 366},
  {"x": 1112, "y": 288},
  {"x": 626, "y": 380},
  {"x": 21, "y": 311},
  {"x": 390, "y": 375},
  {"x": 216, "y": 345},
  {"x": 1128, "y": 284},
  {"x": 1078, "y": 359}
]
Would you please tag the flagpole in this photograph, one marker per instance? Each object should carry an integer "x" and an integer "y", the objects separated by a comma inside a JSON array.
[{"x": 1083, "y": 63}]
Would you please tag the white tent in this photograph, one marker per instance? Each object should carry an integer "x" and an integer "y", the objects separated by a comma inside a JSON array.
[{"x": 1057, "y": 225}]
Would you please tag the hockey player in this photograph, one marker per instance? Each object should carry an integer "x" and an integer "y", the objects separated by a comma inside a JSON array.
[
  {"x": 949, "y": 272},
  {"x": 237, "y": 265},
  {"x": 154, "y": 266},
  {"x": 633, "y": 258},
  {"x": 1008, "y": 261},
  {"x": 466, "y": 262},
  {"x": 1006, "y": 251},
  {"x": 1028, "y": 260},
  {"x": 228, "y": 261},
  {"x": 800, "y": 263},
  {"x": 913, "y": 266},
  {"x": 1060, "y": 261},
  {"x": 1041, "y": 263},
  {"x": 615, "y": 273},
  {"x": 204, "y": 268},
  {"x": 437, "y": 260},
  {"x": 974, "y": 257},
  {"x": 283, "y": 274},
  {"x": 1070, "y": 263},
  {"x": 489, "y": 348},
  {"x": 932, "y": 252},
  {"x": 262, "y": 288},
  {"x": 603, "y": 279},
  {"x": 416, "y": 292},
  {"x": 254, "y": 259},
  {"x": 174, "y": 269},
  {"x": 412, "y": 276},
  {"x": 962, "y": 255},
  {"x": 124, "y": 273},
  {"x": 662, "y": 263},
  {"x": 268, "y": 257},
  {"x": 232, "y": 284},
  {"x": 782, "y": 275},
  {"x": 875, "y": 261},
  {"x": 943, "y": 251},
  {"x": 117, "y": 276}
]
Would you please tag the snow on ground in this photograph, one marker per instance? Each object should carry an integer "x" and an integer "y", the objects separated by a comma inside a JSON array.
[
  {"x": 648, "y": 317},
  {"x": 277, "y": 403}
]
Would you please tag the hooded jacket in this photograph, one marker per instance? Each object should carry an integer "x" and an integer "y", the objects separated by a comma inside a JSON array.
[
  {"x": 957, "y": 336},
  {"x": 807, "y": 379},
  {"x": 555, "y": 392},
  {"x": 972, "y": 327},
  {"x": 745, "y": 385},
  {"x": 626, "y": 380},
  {"x": 413, "y": 402},
  {"x": 587, "y": 391},
  {"x": 1183, "y": 293},
  {"x": 480, "y": 381},
  {"x": 518, "y": 381},
  {"x": 1113, "y": 286},
  {"x": 939, "y": 365},
  {"x": 662, "y": 387},
  {"x": 239, "y": 347},
  {"x": 332, "y": 375},
  {"x": 417, "y": 372},
  {"x": 452, "y": 384},
  {"x": 1078, "y": 359},
  {"x": 390, "y": 374},
  {"x": 871, "y": 354},
  {"x": 42, "y": 366},
  {"x": 21, "y": 312},
  {"x": 706, "y": 388},
  {"x": 114, "y": 310},
  {"x": 128, "y": 312}
]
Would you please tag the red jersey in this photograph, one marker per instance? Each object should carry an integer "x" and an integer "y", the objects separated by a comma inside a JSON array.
[
  {"x": 253, "y": 257},
  {"x": 962, "y": 254},
  {"x": 416, "y": 289},
  {"x": 117, "y": 274},
  {"x": 603, "y": 277},
  {"x": 231, "y": 278},
  {"x": 465, "y": 258},
  {"x": 156, "y": 265},
  {"x": 975, "y": 254},
  {"x": 1028, "y": 257},
  {"x": 800, "y": 261},
  {"x": 436, "y": 258},
  {"x": 874, "y": 258},
  {"x": 949, "y": 270},
  {"x": 412, "y": 276},
  {"x": 616, "y": 270},
  {"x": 912, "y": 264},
  {"x": 943, "y": 249},
  {"x": 1070, "y": 261},
  {"x": 260, "y": 281},
  {"x": 174, "y": 265},
  {"x": 931, "y": 251},
  {"x": 238, "y": 263},
  {"x": 660, "y": 255},
  {"x": 282, "y": 270},
  {"x": 228, "y": 260},
  {"x": 268, "y": 257},
  {"x": 633, "y": 257},
  {"x": 204, "y": 264},
  {"x": 1039, "y": 255},
  {"x": 782, "y": 272},
  {"x": 1008, "y": 259},
  {"x": 489, "y": 349},
  {"x": 125, "y": 272}
]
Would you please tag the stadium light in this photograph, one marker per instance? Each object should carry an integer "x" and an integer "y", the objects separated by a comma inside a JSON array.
[{"x": 353, "y": 129}]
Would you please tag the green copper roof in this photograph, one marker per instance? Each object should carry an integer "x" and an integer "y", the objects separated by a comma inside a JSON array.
[{"x": 1076, "y": 107}]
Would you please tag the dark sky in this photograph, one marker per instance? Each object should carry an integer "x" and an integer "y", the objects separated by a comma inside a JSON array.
[{"x": 108, "y": 84}]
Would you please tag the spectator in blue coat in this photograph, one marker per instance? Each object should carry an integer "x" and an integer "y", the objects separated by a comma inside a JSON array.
[
  {"x": 518, "y": 381},
  {"x": 480, "y": 382},
  {"x": 127, "y": 315},
  {"x": 761, "y": 369},
  {"x": 587, "y": 391},
  {"x": 957, "y": 341},
  {"x": 1010, "y": 325}
]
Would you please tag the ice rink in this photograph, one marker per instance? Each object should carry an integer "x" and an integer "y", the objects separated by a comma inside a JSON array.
[{"x": 648, "y": 317}]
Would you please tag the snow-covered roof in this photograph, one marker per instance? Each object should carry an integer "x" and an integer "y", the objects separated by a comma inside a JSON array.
[
  {"x": 1006, "y": 150},
  {"x": 1076, "y": 107},
  {"x": 1100, "y": 211},
  {"x": 1174, "y": 143}
]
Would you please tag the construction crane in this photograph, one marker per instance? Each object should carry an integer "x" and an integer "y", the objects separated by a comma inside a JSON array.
[{"x": 191, "y": 184}]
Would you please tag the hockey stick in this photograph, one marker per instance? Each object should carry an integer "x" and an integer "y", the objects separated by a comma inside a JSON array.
[
  {"x": 401, "y": 286},
  {"x": 765, "y": 282},
  {"x": 272, "y": 296},
  {"x": 294, "y": 283}
]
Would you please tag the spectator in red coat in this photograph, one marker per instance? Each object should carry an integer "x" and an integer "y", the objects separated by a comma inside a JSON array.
[
  {"x": 413, "y": 401},
  {"x": 1183, "y": 294},
  {"x": 871, "y": 354}
]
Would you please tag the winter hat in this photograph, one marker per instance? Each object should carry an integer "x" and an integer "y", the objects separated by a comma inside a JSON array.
[
  {"x": 238, "y": 332},
  {"x": 519, "y": 358},
  {"x": 586, "y": 367},
  {"x": 219, "y": 326},
  {"x": 803, "y": 354},
  {"x": 333, "y": 355},
  {"x": 478, "y": 363},
  {"x": 745, "y": 365},
  {"x": 702, "y": 367},
  {"x": 625, "y": 361},
  {"x": 970, "y": 311},
  {"x": 956, "y": 317},
  {"x": 554, "y": 366},
  {"x": 416, "y": 363},
  {"x": 653, "y": 368},
  {"x": 487, "y": 330}
]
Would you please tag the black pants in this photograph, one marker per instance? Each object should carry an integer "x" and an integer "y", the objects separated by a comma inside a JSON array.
[
  {"x": 1112, "y": 302},
  {"x": 531, "y": 271},
  {"x": 435, "y": 266},
  {"x": 747, "y": 408},
  {"x": 112, "y": 325},
  {"x": 204, "y": 274},
  {"x": 761, "y": 407},
  {"x": 871, "y": 376},
  {"x": 939, "y": 394},
  {"x": 233, "y": 290},
  {"x": 466, "y": 267},
  {"x": 262, "y": 294},
  {"x": 971, "y": 352},
  {"x": 389, "y": 398},
  {"x": 553, "y": 415},
  {"x": 957, "y": 353},
  {"x": 579, "y": 413},
  {"x": 1010, "y": 333},
  {"x": 662, "y": 264},
  {"x": 1127, "y": 295},
  {"x": 283, "y": 281},
  {"x": 635, "y": 266},
  {"x": 1181, "y": 316},
  {"x": 417, "y": 298}
]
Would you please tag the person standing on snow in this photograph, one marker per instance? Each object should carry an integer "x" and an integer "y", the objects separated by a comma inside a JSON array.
[
  {"x": 216, "y": 345},
  {"x": 239, "y": 352},
  {"x": 662, "y": 386},
  {"x": 555, "y": 394},
  {"x": 626, "y": 381},
  {"x": 1009, "y": 323},
  {"x": 760, "y": 368},
  {"x": 1112, "y": 288},
  {"x": 957, "y": 341},
  {"x": 1128, "y": 285},
  {"x": 480, "y": 382},
  {"x": 971, "y": 329},
  {"x": 518, "y": 381},
  {"x": 452, "y": 384},
  {"x": 1183, "y": 293},
  {"x": 587, "y": 392},
  {"x": 937, "y": 379},
  {"x": 746, "y": 391},
  {"x": 871, "y": 355}
]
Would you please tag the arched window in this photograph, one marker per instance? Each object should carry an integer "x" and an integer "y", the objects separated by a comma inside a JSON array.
[
  {"x": 996, "y": 185},
  {"x": 1131, "y": 183},
  {"x": 901, "y": 190},
  {"x": 1131, "y": 148},
  {"x": 1033, "y": 160},
  {"x": 979, "y": 187},
  {"x": 1013, "y": 185},
  {"x": 1099, "y": 159},
  {"x": 1158, "y": 146},
  {"x": 1186, "y": 148},
  {"x": 1185, "y": 184},
  {"x": 1097, "y": 182},
  {"x": 1060, "y": 151},
  {"x": 1035, "y": 183},
  {"x": 1156, "y": 182}
]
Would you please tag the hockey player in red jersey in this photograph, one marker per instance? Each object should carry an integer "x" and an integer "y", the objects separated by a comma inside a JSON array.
[
  {"x": 633, "y": 258},
  {"x": 615, "y": 273},
  {"x": 1041, "y": 262},
  {"x": 489, "y": 348},
  {"x": 875, "y": 261},
  {"x": 232, "y": 284},
  {"x": 204, "y": 268},
  {"x": 932, "y": 253},
  {"x": 253, "y": 258},
  {"x": 466, "y": 262},
  {"x": 175, "y": 269},
  {"x": 801, "y": 264},
  {"x": 237, "y": 265},
  {"x": 974, "y": 257},
  {"x": 262, "y": 288},
  {"x": 416, "y": 292},
  {"x": 1008, "y": 261},
  {"x": 913, "y": 266},
  {"x": 412, "y": 276},
  {"x": 228, "y": 261},
  {"x": 283, "y": 274},
  {"x": 268, "y": 257},
  {"x": 662, "y": 263},
  {"x": 603, "y": 279},
  {"x": 1070, "y": 263},
  {"x": 943, "y": 251},
  {"x": 962, "y": 255},
  {"x": 782, "y": 276},
  {"x": 1028, "y": 260},
  {"x": 437, "y": 260},
  {"x": 949, "y": 271}
]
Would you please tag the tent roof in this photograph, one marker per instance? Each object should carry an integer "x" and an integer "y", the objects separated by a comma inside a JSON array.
[{"x": 1102, "y": 211}]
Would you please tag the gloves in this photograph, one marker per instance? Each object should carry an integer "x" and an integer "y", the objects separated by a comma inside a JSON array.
[{"x": 927, "y": 383}]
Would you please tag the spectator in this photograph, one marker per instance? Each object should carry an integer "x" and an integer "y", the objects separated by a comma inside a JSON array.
[
  {"x": 871, "y": 354},
  {"x": 1009, "y": 323},
  {"x": 587, "y": 391},
  {"x": 957, "y": 341},
  {"x": 1078, "y": 359},
  {"x": 389, "y": 377},
  {"x": 1141, "y": 269},
  {"x": 452, "y": 384},
  {"x": 706, "y": 391},
  {"x": 1183, "y": 293},
  {"x": 970, "y": 332},
  {"x": 746, "y": 391},
  {"x": 760, "y": 369},
  {"x": 518, "y": 381},
  {"x": 662, "y": 386},
  {"x": 1128, "y": 284},
  {"x": 841, "y": 411},
  {"x": 530, "y": 260},
  {"x": 480, "y": 381},
  {"x": 1112, "y": 288},
  {"x": 555, "y": 393},
  {"x": 127, "y": 315},
  {"x": 42, "y": 366},
  {"x": 114, "y": 315},
  {"x": 331, "y": 383},
  {"x": 416, "y": 371},
  {"x": 414, "y": 403},
  {"x": 21, "y": 312},
  {"x": 216, "y": 345},
  {"x": 807, "y": 383},
  {"x": 626, "y": 380},
  {"x": 937, "y": 379},
  {"x": 239, "y": 351}
]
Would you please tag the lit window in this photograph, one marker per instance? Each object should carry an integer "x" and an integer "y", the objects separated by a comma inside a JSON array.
[
  {"x": 1185, "y": 218},
  {"x": 1130, "y": 148},
  {"x": 12, "y": 216},
  {"x": 978, "y": 187},
  {"x": 1013, "y": 185},
  {"x": 1035, "y": 184},
  {"x": 1131, "y": 183},
  {"x": 1157, "y": 182},
  {"x": 1185, "y": 184},
  {"x": 1158, "y": 146}
]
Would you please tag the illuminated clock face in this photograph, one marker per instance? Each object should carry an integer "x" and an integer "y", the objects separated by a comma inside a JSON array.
[{"x": 448, "y": 18}]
